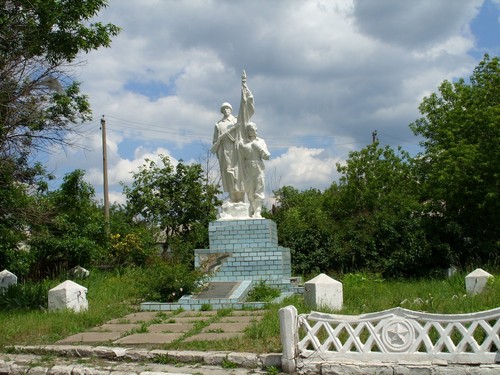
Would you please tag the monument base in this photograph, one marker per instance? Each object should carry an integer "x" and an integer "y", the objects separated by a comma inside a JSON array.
[
  {"x": 241, "y": 253},
  {"x": 235, "y": 211},
  {"x": 245, "y": 250}
]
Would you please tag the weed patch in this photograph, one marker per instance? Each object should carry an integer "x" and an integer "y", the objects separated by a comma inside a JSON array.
[
  {"x": 263, "y": 292},
  {"x": 226, "y": 363}
]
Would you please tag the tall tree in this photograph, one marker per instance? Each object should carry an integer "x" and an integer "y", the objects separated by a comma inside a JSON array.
[
  {"x": 39, "y": 101},
  {"x": 376, "y": 209},
  {"x": 177, "y": 200},
  {"x": 73, "y": 232},
  {"x": 460, "y": 165},
  {"x": 39, "y": 40},
  {"x": 304, "y": 227}
]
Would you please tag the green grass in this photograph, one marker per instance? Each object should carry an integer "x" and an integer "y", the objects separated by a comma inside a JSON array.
[
  {"x": 366, "y": 293},
  {"x": 363, "y": 293},
  {"x": 110, "y": 295},
  {"x": 113, "y": 295}
]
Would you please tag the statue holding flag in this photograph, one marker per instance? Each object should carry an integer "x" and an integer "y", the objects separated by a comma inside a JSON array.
[{"x": 229, "y": 135}]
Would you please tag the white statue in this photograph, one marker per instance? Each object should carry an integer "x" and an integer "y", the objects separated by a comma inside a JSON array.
[
  {"x": 225, "y": 134},
  {"x": 235, "y": 147},
  {"x": 254, "y": 152}
]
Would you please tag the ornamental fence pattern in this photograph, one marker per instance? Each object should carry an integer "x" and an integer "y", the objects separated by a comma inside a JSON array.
[{"x": 392, "y": 335}]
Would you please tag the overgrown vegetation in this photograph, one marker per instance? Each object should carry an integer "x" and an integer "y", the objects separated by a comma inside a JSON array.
[
  {"x": 110, "y": 294},
  {"x": 263, "y": 292},
  {"x": 389, "y": 214},
  {"x": 405, "y": 216},
  {"x": 167, "y": 281},
  {"x": 113, "y": 294}
]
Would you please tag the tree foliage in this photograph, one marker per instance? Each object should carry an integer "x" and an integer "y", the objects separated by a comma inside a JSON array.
[
  {"x": 175, "y": 199},
  {"x": 377, "y": 210},
  {"x": 459, "y": 169},
  {"x": 73, "y": 233},
  {"x": 39, "y": 101},
  {"x": 304, "y": 227},
  {"x": 371, "y": 219},
  {"x": 405, "y": 216}
]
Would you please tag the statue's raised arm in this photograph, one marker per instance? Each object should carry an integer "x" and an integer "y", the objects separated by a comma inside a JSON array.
[{"x": 247, "y": 108}]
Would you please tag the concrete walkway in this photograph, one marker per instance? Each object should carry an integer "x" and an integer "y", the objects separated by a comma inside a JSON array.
[
  {"x": 153, "y": 328},
  {"x": 133, "y": 345}
]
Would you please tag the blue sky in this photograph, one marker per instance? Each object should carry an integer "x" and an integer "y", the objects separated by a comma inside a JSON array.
[{"x": 325, "y": 74}]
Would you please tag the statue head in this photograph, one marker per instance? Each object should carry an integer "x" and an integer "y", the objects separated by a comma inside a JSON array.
[
  {"x": 225, "y": 105},
  {"x": 251, "y": 129}
]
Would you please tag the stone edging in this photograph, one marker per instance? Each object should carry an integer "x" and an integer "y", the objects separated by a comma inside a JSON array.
[
  {"x": 402, "y": 368},
  {"x": 245, "y": 360}
]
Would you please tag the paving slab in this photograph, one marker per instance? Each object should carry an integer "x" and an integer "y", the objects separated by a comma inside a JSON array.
[
  {"x": 148, "y": 338},
  {"x": 226, "y": 327},
  {"x": 116, "y": 327},
  {"x": 247, "y": 319},
  {"x": 190, "y": 319},
  {"x": 248, "y": 312},
  {"x": 137, "y": 317},
  {"x": 170, "y": 328},
  {"x": 166, "y": 327},
  {"x": 212, "y": 336},
  {"x": 90, "y": 337}
]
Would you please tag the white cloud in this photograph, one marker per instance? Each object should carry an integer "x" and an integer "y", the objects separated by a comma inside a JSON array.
[
  {"x": 320, "y": 71},
  {"x": 302, "y": 168}
]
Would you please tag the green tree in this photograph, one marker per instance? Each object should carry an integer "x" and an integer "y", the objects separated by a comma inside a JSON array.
[
  {"x": 377, "y": 212},
  {"x": 73, "y": 233},
  {"x": 19, "y": 210},
  {"x": 39, "y": 101},
  {"x": 176, "y": 200},
  {"x": 131, "y": 242},
  {"x": 305, "y": 228},
  {"x": 459, "y": 169}
]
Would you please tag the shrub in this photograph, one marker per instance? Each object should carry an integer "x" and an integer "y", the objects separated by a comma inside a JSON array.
[
  {"x": 167, "y": 282},
  {"x": 130, "y": 249},
  {"x": 263, "y": 292}
]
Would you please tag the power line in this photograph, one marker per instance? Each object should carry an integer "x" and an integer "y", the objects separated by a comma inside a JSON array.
[{"x": 117, "y": 124}]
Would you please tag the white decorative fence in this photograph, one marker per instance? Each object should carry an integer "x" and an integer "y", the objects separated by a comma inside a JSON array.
[{"x": 393, "y": 335}]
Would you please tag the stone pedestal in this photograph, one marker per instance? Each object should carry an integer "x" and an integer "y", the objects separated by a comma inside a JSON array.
[
  {"x": 323, "y": 291},
  {"x": 235, "y": 211},
  {"x": 476, "y": 281},
  {"x": 245, "y": 250},
  {"x": 68, "y": 295}
]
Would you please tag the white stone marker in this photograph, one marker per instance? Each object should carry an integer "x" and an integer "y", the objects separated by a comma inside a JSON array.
[
  {"x": 79, "y": 272},
  {"x": 7, "y": 279},
  {"x": 475, "y": 281},
  {"x": 68, "y": 295},
  {"x": 323, "y": 291}
]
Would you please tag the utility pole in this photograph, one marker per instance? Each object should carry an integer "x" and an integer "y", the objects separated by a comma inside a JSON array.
[
  {"x": 105, "y": 172},
  {"x": 374, "y": 136}
]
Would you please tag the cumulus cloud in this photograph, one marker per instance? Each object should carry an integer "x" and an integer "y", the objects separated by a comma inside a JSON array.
[
  {"x": 324, "y": 73},
  {"x": 302, "y": 168}
]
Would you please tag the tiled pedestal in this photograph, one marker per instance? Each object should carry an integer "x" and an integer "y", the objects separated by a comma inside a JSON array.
[
  {"x": 240, "y": 252},
  {"x": 245, "y": 250}
]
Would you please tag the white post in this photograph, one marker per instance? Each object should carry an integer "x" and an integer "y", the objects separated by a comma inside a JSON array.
[{"x": 289, "y": 338}]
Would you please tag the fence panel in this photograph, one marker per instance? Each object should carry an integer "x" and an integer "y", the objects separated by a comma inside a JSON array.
[{"x": 395, "y": 335}]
